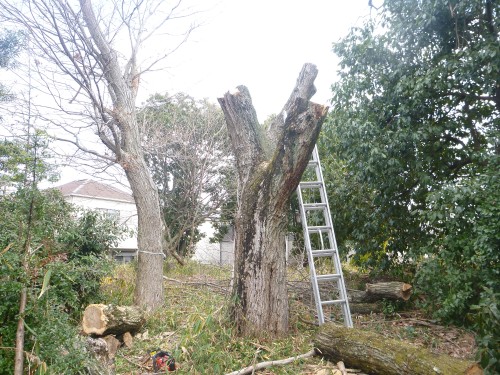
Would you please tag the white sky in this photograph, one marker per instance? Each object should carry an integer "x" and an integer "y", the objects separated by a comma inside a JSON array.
[{"x": 261, "y": 44}]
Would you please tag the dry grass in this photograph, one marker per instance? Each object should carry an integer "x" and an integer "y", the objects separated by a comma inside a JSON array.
[{"x": 195, "y": 328}]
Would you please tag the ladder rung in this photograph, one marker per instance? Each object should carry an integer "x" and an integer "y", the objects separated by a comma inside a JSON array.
[
  {"x": 323, "y": 253},
  {"x": 328, "y": 277},
  {"x": 314, "y": 206},
  {"x": 333, "y": 302},
  {"x": 317, "y": 201},
  {"x": 319, "y": 228},
  {"x": 310, "y": 184}
]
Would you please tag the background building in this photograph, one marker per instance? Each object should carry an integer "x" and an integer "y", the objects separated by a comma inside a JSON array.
[{"x": 114, "y": 203}]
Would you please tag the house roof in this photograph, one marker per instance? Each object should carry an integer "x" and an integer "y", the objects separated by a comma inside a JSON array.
[{"x": 94, "y": 189}]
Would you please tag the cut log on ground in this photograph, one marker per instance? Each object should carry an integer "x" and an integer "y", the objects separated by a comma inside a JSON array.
[
  {"x": 101, "y": 320},
  {"x": 391, "y": 290},
  {"x": 377, "y": 355}
]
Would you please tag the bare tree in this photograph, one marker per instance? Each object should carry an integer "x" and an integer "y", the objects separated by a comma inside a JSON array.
[
  {"x": 94, "y": 89},
  {"x": 270, "y": 163}
]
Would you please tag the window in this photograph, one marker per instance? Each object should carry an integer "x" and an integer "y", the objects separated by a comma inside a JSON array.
[{"x": 110, "y": 213}]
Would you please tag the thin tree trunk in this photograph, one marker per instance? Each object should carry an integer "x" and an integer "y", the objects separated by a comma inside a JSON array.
[
  {"x": 19, "y": 357},
  {"x": 270, "y": 163}
]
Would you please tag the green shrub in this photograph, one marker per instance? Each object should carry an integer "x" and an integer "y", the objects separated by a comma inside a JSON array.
[
  {"x": 487, "y": 325},
  {"x": 60, "y": 276}
]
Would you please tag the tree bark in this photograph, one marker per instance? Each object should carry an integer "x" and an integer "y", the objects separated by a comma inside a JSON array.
[
  {"x": 270, "y": 163},
  {"x": 375, "y": 354},
  {"x": 102, "y": 320}
]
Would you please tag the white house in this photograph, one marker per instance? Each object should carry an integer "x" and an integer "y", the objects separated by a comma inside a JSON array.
[
  {"x": 94, "y": 195},
  {"x": 113, "y": 202}
]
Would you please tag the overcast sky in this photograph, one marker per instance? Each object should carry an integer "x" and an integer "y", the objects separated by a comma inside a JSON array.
[{"x": 261, "y": 44}]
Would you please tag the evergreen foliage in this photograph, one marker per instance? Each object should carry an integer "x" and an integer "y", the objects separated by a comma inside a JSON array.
[
  {"x": 11, "y": 44},
  {"x": 414, "y": 142}
]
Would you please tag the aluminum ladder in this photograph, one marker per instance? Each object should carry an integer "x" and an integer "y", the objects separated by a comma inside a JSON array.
[{"x": 319, "y": 238}]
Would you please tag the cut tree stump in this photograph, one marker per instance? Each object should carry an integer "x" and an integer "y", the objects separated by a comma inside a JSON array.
[
  {"x": 377, "y": 355},
  {"x": 101, "y": 320}
]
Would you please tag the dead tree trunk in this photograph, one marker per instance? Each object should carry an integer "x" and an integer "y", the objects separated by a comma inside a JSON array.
[
  {"x": 270, "y": 163},
  {"x": 376, "y": 354}
]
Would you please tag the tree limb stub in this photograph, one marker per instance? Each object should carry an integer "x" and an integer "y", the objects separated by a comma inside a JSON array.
[
  {"x": 243, "y": 125},
  {"x": 303, "y": 91}
]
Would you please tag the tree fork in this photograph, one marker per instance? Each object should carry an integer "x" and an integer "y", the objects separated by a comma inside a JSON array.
[{"x": 270, "y": 163}]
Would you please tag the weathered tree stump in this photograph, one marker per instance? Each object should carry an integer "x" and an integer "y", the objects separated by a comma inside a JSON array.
[
  {"x": 270, "y": 161},
  {"x": 103, "y": 320},
  {"x": 104, "y": 350},
  {"x": 375, "y": 354}
]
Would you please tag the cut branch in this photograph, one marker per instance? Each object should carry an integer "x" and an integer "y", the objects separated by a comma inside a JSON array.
[{"x": 263, "y": 365}]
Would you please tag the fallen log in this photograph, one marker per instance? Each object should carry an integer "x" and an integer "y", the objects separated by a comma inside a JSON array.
[
  {"x": 377, "y": 355},
  {"x": 101, "y": 320},
  {"x": 393, "y": 290},
  {"x": 390, "y": 290},
  {"x": 356, "y": 296}
]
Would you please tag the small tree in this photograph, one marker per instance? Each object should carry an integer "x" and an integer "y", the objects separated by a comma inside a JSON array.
[
  {"x": 188, "y": 153},
  {"x": 270, "y": 163}
]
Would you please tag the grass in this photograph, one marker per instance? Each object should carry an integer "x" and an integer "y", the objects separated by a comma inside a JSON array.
[{"x": 194, "y": 326}]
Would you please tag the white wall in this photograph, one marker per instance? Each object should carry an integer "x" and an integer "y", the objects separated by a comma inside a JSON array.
[
  {"x": 128, "y": 215},
  {"x": 206, "y": 252}
]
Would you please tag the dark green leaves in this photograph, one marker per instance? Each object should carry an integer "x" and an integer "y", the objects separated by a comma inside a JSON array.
[{"x": 413, "y": 141}]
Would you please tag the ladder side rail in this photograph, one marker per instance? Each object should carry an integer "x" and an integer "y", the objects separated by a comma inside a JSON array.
[
  {"x": 312, "y": 268},
  {"x": 333, "y": 242}
]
